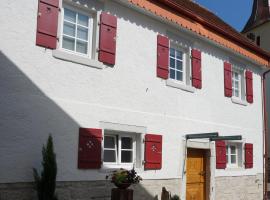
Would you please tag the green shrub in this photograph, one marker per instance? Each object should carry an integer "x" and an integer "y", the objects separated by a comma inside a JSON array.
[
  {"x": 45, "y": 182},
  {"x": 175, "y": 197}
]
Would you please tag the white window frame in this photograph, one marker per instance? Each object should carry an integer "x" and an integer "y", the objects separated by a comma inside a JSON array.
[
  {"x": 240, "y": 76},
  {"x": 118, "y": 163},
  {"x": 90, "y": 31},
  {"x": 184, "y": 63},
  {"x": 239, "y": 155}
]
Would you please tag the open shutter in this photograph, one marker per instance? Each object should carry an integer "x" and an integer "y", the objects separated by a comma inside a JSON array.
[
  {"x": 153, "y": 151},
  {"x": 162, "y": 57},
  {"x": 248, "y": 155},
  {"x": 89, "y": 156},
  {"x": 221, "y": 154},
  {"x": 228, "y": 79},
  {"x": 47, "y": 21},
  {"x": 107, "y": 38},
  {"x": 249, "y": 86},
  {"x": 196, "y": 69}
]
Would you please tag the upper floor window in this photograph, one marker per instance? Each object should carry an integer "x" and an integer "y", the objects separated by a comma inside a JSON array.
[
  {"x": 76, "y": 32},
  {"x": 177, "y": 64},
  {"x": 238, "y": 91}
]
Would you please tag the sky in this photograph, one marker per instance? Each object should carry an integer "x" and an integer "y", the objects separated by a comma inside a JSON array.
[{"x": 234, "y": 12}]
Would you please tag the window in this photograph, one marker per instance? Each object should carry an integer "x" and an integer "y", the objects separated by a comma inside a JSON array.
[
  {"x": 177, "y": 66},
  {"x": 119, "y": 148},
  {"x": 258, "y": 40},
  {"x": 236, "y": 84},
  {"x": 234, "y": 155},
  {"x": 76, "y": 32}
]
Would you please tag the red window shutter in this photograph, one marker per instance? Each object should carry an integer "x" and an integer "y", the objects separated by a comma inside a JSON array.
[
  {"x": 107, "y": 38},
  {"x": 248, "y": 155},
  {"x": 153, "y": 151},
  {"x": 228, "y": 79},
  {"x": 196, "y": 69},
  {"x": 249, "y": 86},
  {"x": 89, "y": 156},
  {"x": 221, "y": 155},
  {"x": 162, "y": 57},
  {"x": 47, "y": 21}
]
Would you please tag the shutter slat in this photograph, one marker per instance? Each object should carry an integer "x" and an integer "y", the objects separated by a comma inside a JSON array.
[
  {"x": 162, "y": 57},
  {"x": 249, "y": 86},
  {"x": 227, "y": 79},
  {"x": 89, "y": 153},
  {"x": 153, "y": 152},
  {"x": 107, "y": 38},
  {"x": 220, "y": 154},
  {"x": 47, "y": 24},
  {"x": 196, "y": 69},
  {"x": 248, "y": 155}
]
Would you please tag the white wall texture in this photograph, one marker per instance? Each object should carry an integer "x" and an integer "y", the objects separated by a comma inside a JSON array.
[{"x": 41, "y": 94}]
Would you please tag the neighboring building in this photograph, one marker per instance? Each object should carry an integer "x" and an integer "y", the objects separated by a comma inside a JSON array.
[{"x": 122, "y": 83}]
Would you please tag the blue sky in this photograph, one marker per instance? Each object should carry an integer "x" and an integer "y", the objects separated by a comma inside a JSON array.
[{"x": 234, "y": 12}]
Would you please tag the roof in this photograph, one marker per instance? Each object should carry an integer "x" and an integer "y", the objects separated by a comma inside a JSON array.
[
  {"x": 196, "y": 18},
  {"x": 260, "y": 15}
]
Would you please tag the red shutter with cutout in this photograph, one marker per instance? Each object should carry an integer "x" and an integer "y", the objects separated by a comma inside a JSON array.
[
  {"x": 248, "y": 155},
  {"x": 47, "y": 23},
  {"x": 107, "y": 38},
  {"x": 153, "y": 152},
  {"x": 249, "y": 86},
  {"x": 196, "y": 69},
  {"x": 221, "y": 154},
  {"x": 89, "y": 155},
  {"x": 162, "y": 57},
  {"x": 228, "y": 79}
]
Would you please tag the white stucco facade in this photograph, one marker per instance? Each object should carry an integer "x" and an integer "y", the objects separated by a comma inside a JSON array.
[{"x": 42, "y": 94}]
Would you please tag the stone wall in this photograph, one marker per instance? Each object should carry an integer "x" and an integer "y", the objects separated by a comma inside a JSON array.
[
  {"x": 89, "y": 190},
  {"x": 239, "y": 188}
]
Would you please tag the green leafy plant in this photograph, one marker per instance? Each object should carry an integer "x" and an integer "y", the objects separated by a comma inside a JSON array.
[
  {"x": 175, "y": 197},
  {"x": 123, "y": 176},
  {"x": 45, "y": 182}
]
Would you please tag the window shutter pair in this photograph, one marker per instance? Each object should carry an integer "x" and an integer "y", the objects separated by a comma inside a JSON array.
[
  {"x": 221, "y": 155},
  {"x": 163, "y": 62},
  {"x": 228, "y": 82},
  {"x": 89, "y": 152},
  {"x": 47, "y": 26}
]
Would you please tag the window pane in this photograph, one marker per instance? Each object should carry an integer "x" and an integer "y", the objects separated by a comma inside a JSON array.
[
  {"x": 69, "y": 29},
  {"x": 179, "y": 55},
  {"x": 179, "y": 65},
  {"x": 82, "y": 33},
  {"x": 109, "y": 142},
  {"x": 172, "y": 74},
  {"x": 227, "y": 159},
  {"x": 83, "y": 20},
  {"x": 233, "y": 159},
  {"x": 81, "y": 47},
  {"x": 126, "y": 157},
  {"x": 236, "y": 93},
  {"x": 172, "y": 52},
  {"x": 126, "y": 143},
  {"x": 172, "y": 63},
  {"x": 68, "y": 43},
  {"x": 69, "y": 15},
  {"x": 109, "y": 156},
  {"x": 179, "y": 76},
  {"x": 236, "y": 85},
  {"x": 233, "y": 150}
]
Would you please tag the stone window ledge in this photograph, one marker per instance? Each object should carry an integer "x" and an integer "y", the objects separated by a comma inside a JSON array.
[
  {"x": 174, "y": 84},
  {"x": 239, "y": 101}
]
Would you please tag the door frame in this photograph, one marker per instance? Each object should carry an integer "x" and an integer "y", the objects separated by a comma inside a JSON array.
[{"x": 204, "y": 145}]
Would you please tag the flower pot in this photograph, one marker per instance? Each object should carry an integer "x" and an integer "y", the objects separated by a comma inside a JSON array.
[{"x": 122, "y": 185}]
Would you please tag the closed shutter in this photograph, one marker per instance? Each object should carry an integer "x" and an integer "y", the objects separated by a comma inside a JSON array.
[
  {"x": 248, "y": 155},
  {"x": 107, "y": 38},
  {"x": 47, "y": 21},
  {"x": 196, "y": 69},
  {"x": 153, "y": 151},
  {"x": 89, "y": 156},
  {"x": 228, "y": 79},
  {"x": 249, "y": 86},
  {"x": 221, "y": 154},
  {"x": 162, "y": 57}
]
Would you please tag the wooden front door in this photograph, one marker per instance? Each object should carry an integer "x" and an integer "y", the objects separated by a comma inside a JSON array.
[{"x": 196, "y": 171}]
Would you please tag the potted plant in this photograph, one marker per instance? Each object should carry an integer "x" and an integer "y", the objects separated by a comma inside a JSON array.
[{"x": 123, "y": 178}]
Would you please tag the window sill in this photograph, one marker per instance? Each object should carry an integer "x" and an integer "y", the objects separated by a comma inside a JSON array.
[
  {"x": 60, "y": 54},
  {"x": 109, "y": 168},
  {"x": 174, "y": 84},
  {"x": 239, "y": 101}
]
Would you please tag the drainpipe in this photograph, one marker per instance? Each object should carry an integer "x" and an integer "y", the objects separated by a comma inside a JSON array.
[{"x": 265, "y": 138}]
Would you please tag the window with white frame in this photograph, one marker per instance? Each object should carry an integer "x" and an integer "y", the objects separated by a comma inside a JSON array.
[
  {"x": 234, "y": 155},
  {"x": 119, "y": 148},
  {"x": 76, "y": 32},
  {"x": 237, "y": 83},
  {"x": 177, "y": 64}
]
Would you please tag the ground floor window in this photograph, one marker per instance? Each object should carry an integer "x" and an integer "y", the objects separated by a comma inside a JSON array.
[{"x": 234, "y": 155}]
